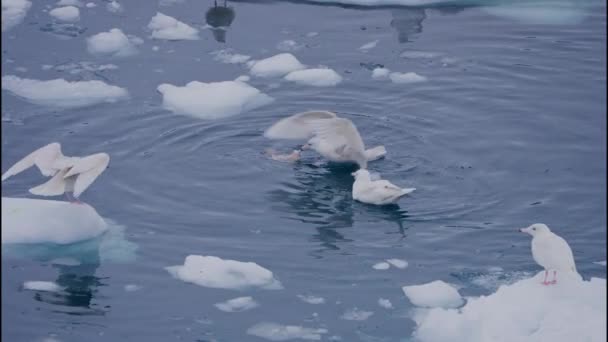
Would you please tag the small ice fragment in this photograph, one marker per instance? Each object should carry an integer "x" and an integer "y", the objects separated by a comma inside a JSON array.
[
  {"x": 385, "y": 303},
  {"x": 369, "y": 45},
  {"x": 356, "y": 314},
  {"x": 47, "y": 286},
  {"x": 312, "y": 299},
  {"x": 381, "y": 266},
  {"x": 237, "y": 304}
]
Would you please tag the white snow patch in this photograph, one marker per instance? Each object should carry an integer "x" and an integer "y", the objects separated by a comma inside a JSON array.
[
  {"x": 13, "y": 12},
  {"x": 369, "y": 46},
  {"x": 237, "y": 304},
  {"x": 279, "y": 332},
  {"x": 214, "y": 272},
  {"x": 378, "y": 73},
  {"x": 321, "y": 77},
  {"x": 275, "y": 66},
  {"x": 356, "y": 314},
  {"x": 381, "y": 266},
  {"x": 408, "y": 77},
  {"x": 113, "y": 43},
  {"x": 433, "y": 294},
  {"x": 228, "y": 57},
  {"x": 212, "y": 100},
  {"x": 47, "y": 286},
  {"x": 169, "y": 28},
  {"x": 312, "y": 299},
  {"x": 67, "y": 13},
  {"x": 526, "y": 311},
  {"x": 132, "y": 287},
  {"x": 385, "y": 303},
  {"x": 399, "y": 263},
  {"x": 289, "y": 45},
  {"x": 62, "y": 93}
]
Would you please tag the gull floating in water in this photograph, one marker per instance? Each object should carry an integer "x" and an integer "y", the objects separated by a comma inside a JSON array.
[
  {"x": 68, "y": 174},
  {"x": 550, "y": 251},
  {"x": 377, "y": 192},
  {"x": 336, "y": 139}
]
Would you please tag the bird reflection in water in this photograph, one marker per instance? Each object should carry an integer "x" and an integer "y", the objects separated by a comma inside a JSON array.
[
  {"x": 219, "y": 18},
  {"x": 407, "y": 22}
]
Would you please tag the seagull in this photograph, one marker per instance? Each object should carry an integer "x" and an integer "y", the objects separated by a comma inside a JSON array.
[
  {"x": 550, "y": 251},
  {"x": 379, "y": 192},
  {"x": 336, "y": 139},
  {"x": 69, "y": 175}
]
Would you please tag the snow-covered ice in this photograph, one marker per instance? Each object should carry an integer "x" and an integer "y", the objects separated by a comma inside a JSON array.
[
  {"x": 526, "y": 311},
  {"x": 434, "y": 294},
  {"x": 378, "y": 73},
  {"x": 408, "y": 77},
  {"x": 26, "y": 220},
  {"x": 212, "y": 100},
  {"x": 385, "y": 303},
  {"x": 279, "y": 332},
  {"x": 399, "y": 263},
  {"x": 320, "y": 77},
  {"x": 13, "y": 12},
  {"x": 112, "y": 43},
  {"x": 312, "y": 299},
  {"x": 214, "y": 272},
  {"x": 237, "y": 304},
  {"x": 228, "y": 57},
  {"x": 369, "y": 46},
  {"x": 356, "y": 314},
  {"x": 66, "y": 13},
  {"x": 381, "y": 266},
  {"x": 169, "y": 28},
  {"x": 62, "y": 93},
  {"x": 47, "y": 286},
  {"x": 275, "y": 66}
]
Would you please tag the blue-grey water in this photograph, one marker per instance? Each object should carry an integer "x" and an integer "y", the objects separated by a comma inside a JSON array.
[{"x": 509, "y": 130}]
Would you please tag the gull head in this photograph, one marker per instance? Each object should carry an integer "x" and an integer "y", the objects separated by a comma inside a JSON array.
[
  {"x": 536, "y": 229},
  {"x": 361, "y": 173}
]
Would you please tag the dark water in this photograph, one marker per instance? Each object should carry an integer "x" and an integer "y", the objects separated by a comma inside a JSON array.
[{"x": 509, "y": 130}]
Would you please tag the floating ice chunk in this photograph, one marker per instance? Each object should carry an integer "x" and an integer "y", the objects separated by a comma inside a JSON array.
[
  {"x": 155, "y": 48},
  {"x": 320, "y": 77},
  {"x": 62, "y": 93},
  {"x": 76, "y": 3},
  {"x": 279, "y": 332},
  {"x": 212, "y": 100},
  {"x": 603, "y": 263},
  {"x": 289, "y": 45},
  {"x": 419, "y": 54},
  {"x": 571, "y": 310},
  {"x": 381, "y": 266},
  {"x": 408, "y": 77},
  {"x": 378, "y": 73},
  {"x": 312, "y": 34},
  {"x": 237, "y": 304},
  {"x": 369, "y": 46},
  {"x": 90, "y": 5},
  {"x": 113, "y": 43},
  {"x": 114, "y": 7},
  {"x": 47, "y": 286},
  {"x": 312, "y": 299},
  {"x": 67, "y": 13},
  {"x": 226, "y": 56},
  {"x": 275, "y": 66},
  {"x": 211, "y": 271},
  {"x": 356, "y": 314},
  {"x": 433, "y": 294},
  {"x": 399, "y": 263},
  {"x": 27, "y": 220},
  {"x": 132, "y": 287},
  {"x": 13, "y": 12},
  {"x": 169, "y": 28},
  {"x": 385, "y": 303}
]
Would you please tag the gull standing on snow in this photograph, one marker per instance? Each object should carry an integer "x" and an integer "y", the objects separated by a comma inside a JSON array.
[
  {"x": 377, "y": 192},
  {"x": 550, "y": 251},
  {"x": 69, "y": 174},
  {"x": 336, "y": 139}
]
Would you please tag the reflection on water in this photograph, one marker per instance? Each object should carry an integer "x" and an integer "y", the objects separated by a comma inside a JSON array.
[
  {"x": 407, "y": 22},
  {"x": 220, "y": 18}
]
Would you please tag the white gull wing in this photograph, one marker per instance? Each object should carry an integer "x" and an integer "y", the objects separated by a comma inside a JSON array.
[
  {"x": 53, "y": 187},
  {"x": 552, "y": 252},
  {"x": 297, "y": 126},
  {"x": 338, "y": 139},
  {"x": 86, "y": 170},
  {"x": 43, "y": 158}
]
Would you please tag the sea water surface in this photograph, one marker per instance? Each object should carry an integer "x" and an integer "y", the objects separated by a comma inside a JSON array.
[{"x": 508, "y": 130}]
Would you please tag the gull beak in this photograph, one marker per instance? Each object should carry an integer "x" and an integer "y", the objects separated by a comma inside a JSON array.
[
  {"x": 353, "y": 173},
  {"x": 522, "y": 230}
]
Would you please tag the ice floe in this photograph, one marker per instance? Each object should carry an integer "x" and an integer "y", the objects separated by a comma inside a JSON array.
[
  {"x": 381, "y": 266},
  {"x": 169, "y": 28},
  {"x": 419, "y": 54},
  {"x": 408, "y": 77},
  {"x": 571, "y": 310},
  {"x": 13, "y": 12},
  {"x": 228, "y": 57},
  {"x": 237, "y": 304},
  {"x": 278, "y": 332},
  {"x": 212, "y": 100},
  {"x": 66, "y": 13},
  {"x": 214, "y": 272},
  {"x": 319, "y": 77},
  {"x": 399, "y": 263},
  {"x": 379, "y": 73},
  {"x": 312, "y": 299},
  {"x": 62, "y": 93},
  {"x": 275, "y": 66},
  {"x": 385, "y": 303},
  {"x": 47, "y": 286},
  {"x": 112, "y": 43},
  {"x": 369, "y": 46},
  {"x": 434, "y": 294},
  {"x": 356, "y": 314}
]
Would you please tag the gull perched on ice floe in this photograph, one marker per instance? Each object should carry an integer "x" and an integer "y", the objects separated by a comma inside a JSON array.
[
  {"x": 336, "y": 139},
  {"x": 550, "y": 251},
  {"x": 379, "y": 192},
  {"x": 68, "y": 174}
]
